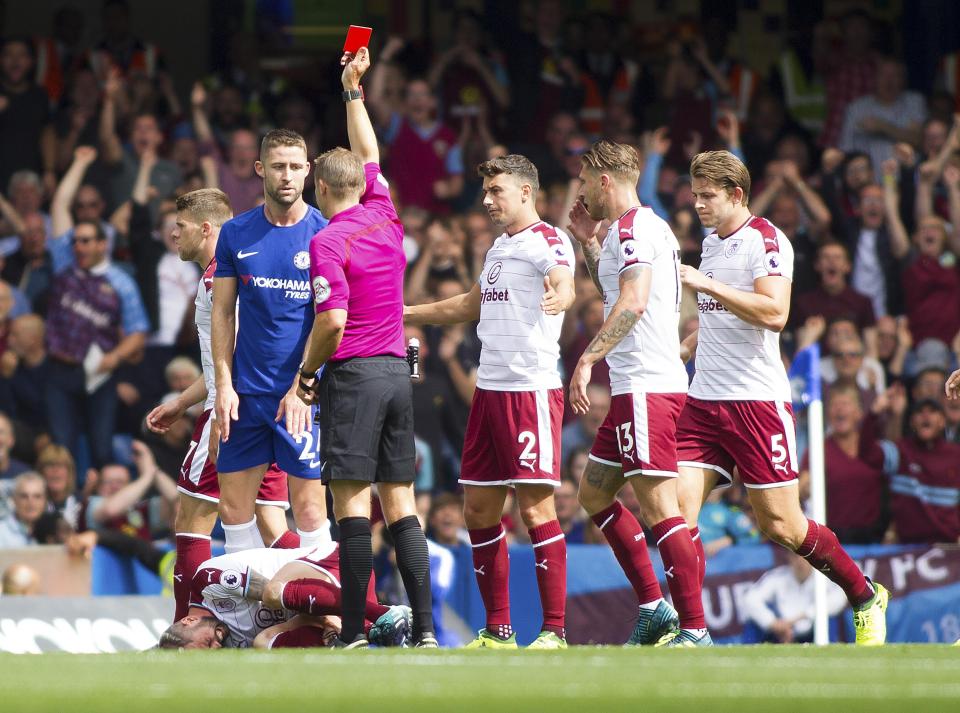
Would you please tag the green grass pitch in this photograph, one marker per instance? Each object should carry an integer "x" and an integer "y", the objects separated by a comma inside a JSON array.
[{"x": 912, "y": 678}]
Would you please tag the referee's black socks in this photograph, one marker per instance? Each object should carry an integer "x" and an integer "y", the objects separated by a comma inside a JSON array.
[
  {"x": 356, "y": 564},
  {"x": 413, "y": 561}
]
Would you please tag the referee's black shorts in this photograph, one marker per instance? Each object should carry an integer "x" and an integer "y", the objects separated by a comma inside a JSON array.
[{"x": 366, "y": 421}]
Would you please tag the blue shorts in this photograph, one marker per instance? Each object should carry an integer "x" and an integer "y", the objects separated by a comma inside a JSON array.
[{"x": 257, "y": 439}]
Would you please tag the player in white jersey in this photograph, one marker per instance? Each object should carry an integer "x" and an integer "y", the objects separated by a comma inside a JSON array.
[
  {"x": 251, "y": 598},
  {"x": 637, "y": 270},
  {"x": 738, "y": 411},
  {"x": 199, "y": 217},
  {"x": 513, "y": 433}
]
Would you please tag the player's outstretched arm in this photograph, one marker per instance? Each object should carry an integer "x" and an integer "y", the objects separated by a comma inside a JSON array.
[
  {"x": 462, "y": 308},
  {"x": 629, "y": 307},
  {"x": 163, "y": 416},
  {"x": 768, "y": 306},
  {"x": 363, "y": 140}
]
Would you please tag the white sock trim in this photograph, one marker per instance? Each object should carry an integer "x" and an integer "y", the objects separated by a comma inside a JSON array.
[
  {"x": 607, "y": 521},
  {"x": 245, "y": 536},
  {"x": 503, "y": 533},
  {"x": 241, "y": 526},
  {"x": 669, "y": 532},
  {"x": 194, "y": 535},
  {"x": 549, "y": 540},
  {"x": 315, "y": 537}
]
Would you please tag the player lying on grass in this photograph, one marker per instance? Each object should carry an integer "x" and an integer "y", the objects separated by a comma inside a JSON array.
[{"x": 251, "y": 599}]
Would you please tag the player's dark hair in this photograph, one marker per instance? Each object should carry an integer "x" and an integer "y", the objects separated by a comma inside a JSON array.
[
  {"x": 281, "y": 137},
  {"x": 515, "y": 165},
  {"x": 206, "y": 204}
]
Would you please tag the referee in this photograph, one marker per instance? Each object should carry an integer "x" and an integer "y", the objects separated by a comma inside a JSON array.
[{"x": 356, "y": 270}]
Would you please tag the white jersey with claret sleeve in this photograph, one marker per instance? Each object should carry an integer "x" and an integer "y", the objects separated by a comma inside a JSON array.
[
  {"x": 204, "y": 309},
  {"x": 647, "y": 360},
  {"x": 737, "y": 361},
  {"x": 520, "y": 343},
  {"x": 221, "y": 582}
]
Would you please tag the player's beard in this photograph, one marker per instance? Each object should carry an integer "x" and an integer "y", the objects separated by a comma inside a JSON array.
[
  {"x": 499, "y": 219},
  {"x": 595, "y": 207},
  {"x": 597, "y": 210},
  {"x": 284, "y": 199}
]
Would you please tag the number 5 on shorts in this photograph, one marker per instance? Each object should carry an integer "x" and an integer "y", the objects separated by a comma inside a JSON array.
[{"x": 777, "y": 450}]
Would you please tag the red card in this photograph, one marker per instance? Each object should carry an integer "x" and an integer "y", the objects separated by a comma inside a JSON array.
[{"x": 357, "y": 37}]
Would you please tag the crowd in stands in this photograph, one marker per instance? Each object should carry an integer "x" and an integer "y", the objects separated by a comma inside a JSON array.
[{"x": 859, "y": 171}]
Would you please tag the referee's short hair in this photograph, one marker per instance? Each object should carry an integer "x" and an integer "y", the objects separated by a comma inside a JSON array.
[
  {"x": 206, "y": 205},
  {"x": 619, "y": 160},
  {"x": 341, "y": 170},
  {"x": 515, "y": 165}
]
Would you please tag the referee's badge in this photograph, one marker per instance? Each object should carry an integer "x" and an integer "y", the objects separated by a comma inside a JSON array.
[
  {"x": 321, "y": 289},
  {"x": 301, "y": 260}
]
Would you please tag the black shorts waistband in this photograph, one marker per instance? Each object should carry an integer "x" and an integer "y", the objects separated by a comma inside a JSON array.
[{"x": 361, "y": 361}]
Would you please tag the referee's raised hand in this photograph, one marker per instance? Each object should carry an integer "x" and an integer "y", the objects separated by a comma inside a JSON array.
[{"x": 354, "y": 66}]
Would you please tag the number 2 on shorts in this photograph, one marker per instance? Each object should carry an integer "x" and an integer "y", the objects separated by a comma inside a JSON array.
[
  {"x": 527, "y": 456},
  {"x": 307, "y": 453}
]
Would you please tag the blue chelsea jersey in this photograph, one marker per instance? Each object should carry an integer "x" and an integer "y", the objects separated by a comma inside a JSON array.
[{"x": 272, "y": 268}]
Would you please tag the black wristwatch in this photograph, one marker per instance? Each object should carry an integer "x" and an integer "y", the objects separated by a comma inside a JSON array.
[
  {"x": 307, "y": 374},
  {"x": 351, "y": 94}
]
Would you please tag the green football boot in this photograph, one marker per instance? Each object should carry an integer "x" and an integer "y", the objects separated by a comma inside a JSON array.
[{"x": 653, "y": 625}]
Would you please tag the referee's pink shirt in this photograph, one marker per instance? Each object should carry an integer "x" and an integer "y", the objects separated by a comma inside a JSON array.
[{"x": 357, "y": 264}]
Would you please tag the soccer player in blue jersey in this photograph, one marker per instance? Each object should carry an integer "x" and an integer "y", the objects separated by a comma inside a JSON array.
[{"x": 263, "y": 261}]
